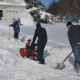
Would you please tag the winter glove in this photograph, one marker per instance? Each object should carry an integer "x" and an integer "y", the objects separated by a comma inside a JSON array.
[
  {"x": 32, "y": 44},
  {"x": 10, "y": 25}
]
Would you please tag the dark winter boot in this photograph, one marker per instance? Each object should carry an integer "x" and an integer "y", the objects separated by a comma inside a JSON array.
[{"x": 42, "y": 62}]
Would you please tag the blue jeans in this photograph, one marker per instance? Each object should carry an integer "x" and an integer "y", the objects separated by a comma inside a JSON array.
[{"x": 76, "y": 51}]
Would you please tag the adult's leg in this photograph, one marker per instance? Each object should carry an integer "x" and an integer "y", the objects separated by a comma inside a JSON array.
[
  {"x": 76, "y": 51},
  {"x": 40, "y": 51}
]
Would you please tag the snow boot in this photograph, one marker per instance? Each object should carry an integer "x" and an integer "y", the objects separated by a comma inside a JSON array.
[{"x": 42, "y": 62}]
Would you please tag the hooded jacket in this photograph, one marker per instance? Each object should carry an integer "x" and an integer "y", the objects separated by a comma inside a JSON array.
[
  {"x": 15, "y": 26},
  {"x": 40, "y": 33}
]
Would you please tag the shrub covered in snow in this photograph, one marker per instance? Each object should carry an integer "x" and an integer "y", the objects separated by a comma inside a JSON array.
[{"x": 38, "y": 12}]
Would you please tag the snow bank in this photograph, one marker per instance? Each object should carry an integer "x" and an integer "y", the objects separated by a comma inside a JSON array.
[
  {"x": 14, "y": 67},
  {"x": 31, "y": 9},
  {"x": 26, "y": 19},
  {"x": 43, "y": 14}
]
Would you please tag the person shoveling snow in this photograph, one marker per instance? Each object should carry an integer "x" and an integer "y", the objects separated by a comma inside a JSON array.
[{"x": 74, "y": 39}]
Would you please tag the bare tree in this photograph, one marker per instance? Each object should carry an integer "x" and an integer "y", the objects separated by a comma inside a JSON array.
[{"x": 64, "y": 7}]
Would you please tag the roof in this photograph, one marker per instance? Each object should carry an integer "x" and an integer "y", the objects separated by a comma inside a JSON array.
[{"x": 12, "y": 4}]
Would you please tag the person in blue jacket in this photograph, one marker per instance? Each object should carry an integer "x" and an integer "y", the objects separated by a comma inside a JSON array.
[{"x": 16, "y": 27}]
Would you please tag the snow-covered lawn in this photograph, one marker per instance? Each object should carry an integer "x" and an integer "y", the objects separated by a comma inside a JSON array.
[{"x": 14, "y": 67}]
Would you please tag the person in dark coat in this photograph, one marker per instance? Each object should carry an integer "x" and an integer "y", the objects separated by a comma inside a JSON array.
[
  {"x": 16, "y": 27},
  {"x": 42, "y": 40},
  {"x": 74, "y": 39}
]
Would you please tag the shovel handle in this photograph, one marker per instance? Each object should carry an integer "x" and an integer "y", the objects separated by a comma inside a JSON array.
[
  {"x": 9, "y": 33},
  {"x": 67, "y": 57}
]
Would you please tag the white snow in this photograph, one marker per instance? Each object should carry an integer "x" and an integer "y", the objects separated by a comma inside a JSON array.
[
  {"x": 31, "y": 9},
  {"x": 26, "y": 18},
  {"x": 42, "y": 13},
  {"x": 14, "y": 67},
  {"x": 12, "y": 4}
]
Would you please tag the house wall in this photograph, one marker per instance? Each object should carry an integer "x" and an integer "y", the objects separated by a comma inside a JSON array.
[
  {"x": 1, "y": 8},
  {"x": 10, "y": 12},
  {"x": 9, "y": 1}
]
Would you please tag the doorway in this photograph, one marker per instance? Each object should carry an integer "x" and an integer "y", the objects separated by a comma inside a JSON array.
[{"x": 1, "y": 14}]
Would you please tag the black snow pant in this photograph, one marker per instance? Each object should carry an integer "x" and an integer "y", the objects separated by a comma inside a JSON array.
[
  {"x": 16, "y": 33},
  {"x": 40, "y": 50}
]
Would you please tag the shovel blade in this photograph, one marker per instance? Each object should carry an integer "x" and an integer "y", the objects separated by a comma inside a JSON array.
[{"x": 60, "y": 66}]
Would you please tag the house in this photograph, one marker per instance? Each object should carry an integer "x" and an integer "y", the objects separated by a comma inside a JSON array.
[{"x": 10, "y": 9}]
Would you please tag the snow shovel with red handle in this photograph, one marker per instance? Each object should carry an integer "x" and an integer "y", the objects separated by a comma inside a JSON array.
[{"x": 61, "y": 66}]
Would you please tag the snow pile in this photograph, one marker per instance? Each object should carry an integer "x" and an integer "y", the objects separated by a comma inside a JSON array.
[
  {"x": 14, "y": 67},
  {"x": 22, "y": 2},
  {"x": 39, "y": 13},
  {"x": 43, "y": 14},
  {"x": 31, "y": 9},
  {"x": 26, "y": 18}
]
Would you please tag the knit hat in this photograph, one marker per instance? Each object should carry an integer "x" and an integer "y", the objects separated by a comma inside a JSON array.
[
  {"x": 38, "y": 25},
  {"x": 13, "y": 19},
  {"x": 69, "y": 23}
]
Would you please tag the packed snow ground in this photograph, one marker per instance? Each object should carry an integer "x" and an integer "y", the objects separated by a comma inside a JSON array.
[{"x": 14, "y": 67}]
